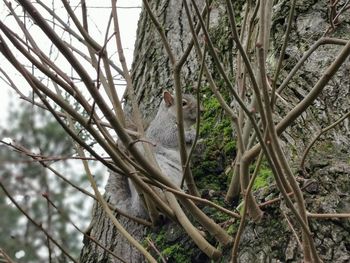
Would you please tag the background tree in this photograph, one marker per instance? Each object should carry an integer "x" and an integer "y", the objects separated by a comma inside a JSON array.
[
  {"x": 249, "y": 56},
  {"x": 33, "y": 130}
]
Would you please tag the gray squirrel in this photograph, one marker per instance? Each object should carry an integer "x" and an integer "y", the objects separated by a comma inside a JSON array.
[
  {"x": 163, "y": 133},
  {"x": 163, "y": 128},
  {"x": 121, "y": 192}
]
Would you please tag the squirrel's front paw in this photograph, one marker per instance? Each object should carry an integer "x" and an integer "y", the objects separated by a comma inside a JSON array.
[{"x": 190, "y": 136}]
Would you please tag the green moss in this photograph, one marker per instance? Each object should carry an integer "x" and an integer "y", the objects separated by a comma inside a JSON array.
[
  {"x": 220, "y": 217},
  {"x": 230, "y": 148},
  {"x": 176, "y": 253},
  {"x": 172, "y": 243},
  {"x": 219, "y": 145},
  {"x": 160, "y": 237},
  {"x": 214, "y": 213},
  {"x": 232, "y": 229},
  {"x": 263, "y": 179}
]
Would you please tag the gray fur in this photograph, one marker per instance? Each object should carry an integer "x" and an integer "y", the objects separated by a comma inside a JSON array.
[
  {"x": 163, "y": 132},
  {"x": 163, "y": 129}
]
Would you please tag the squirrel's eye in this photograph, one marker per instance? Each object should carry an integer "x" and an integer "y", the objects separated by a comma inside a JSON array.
[{"x": 184, "y": 102}]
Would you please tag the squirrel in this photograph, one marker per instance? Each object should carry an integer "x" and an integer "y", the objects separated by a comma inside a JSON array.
[
  {"x": 121, "y": 191},
  {"x": 163, "y": 132},
  {"x": 163, "y": 128}
]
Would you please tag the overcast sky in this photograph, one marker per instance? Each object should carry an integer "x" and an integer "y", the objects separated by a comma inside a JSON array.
[{"x": 128, "y": 24}]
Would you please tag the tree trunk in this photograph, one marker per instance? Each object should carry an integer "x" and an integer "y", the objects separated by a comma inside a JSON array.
[
  {"x": 152, "y": 74},
  {"x": 272, "y": 239}
]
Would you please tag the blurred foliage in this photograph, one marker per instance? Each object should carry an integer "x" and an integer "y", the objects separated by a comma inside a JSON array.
[{"x": 27, "y": 180}]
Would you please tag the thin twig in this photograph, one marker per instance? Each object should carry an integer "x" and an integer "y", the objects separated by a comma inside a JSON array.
[
  {"x": 242, "y": 223},
  {"x": 25, "y": 151},
  {"x": 282, "y": 53},
  {"x": 153, "y": 246},
  {"x": 6, "y": 257},
  {"x": 328, "y": 216},
  {"x": 65, "y": 215},
  {"x": 38, "y": 225},
  {"x": 308, "y": 148},
  {"x": 293, "y": 230}
]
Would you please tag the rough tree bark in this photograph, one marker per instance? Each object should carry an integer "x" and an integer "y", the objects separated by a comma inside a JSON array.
[{"x": 271, "y": 240}]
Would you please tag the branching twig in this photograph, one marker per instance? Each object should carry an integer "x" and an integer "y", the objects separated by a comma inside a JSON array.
[
  {"x": 328, "y": 216},
  {"x": 38, "y": 225},
  {"x": 308, "y": 148},
  {"x": 293, "y": 230},
  {"x": 153, "y": 246},
  {"x": 283, "y": 49},
  {"x": 6, "y": 257},
  {"x": 63, "y": 214},
  {"x": 245, "y": 210}
]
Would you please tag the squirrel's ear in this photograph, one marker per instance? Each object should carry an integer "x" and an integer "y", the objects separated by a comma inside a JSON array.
[{"x": 168, "y": 98}]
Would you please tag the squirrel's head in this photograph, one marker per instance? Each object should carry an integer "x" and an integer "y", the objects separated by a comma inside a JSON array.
[{"x": 189, "y": 107}]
